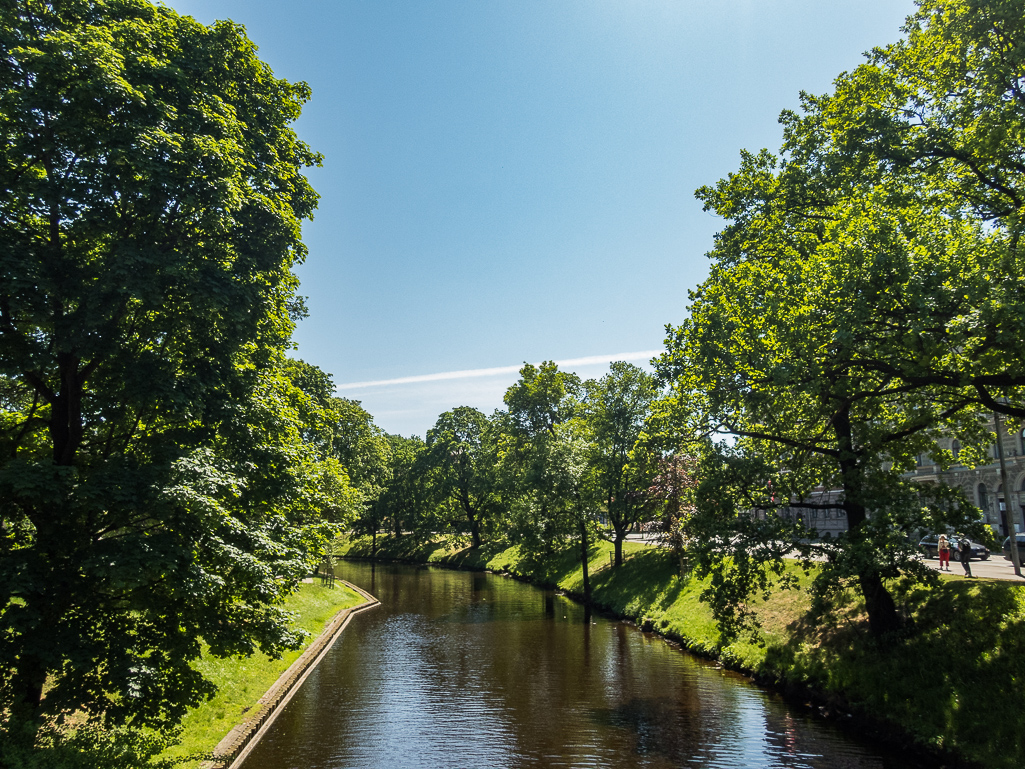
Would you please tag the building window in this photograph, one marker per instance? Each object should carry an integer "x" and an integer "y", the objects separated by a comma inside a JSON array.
[
  {"x": 982, "y": 496},
  {"x": 955, "y": 449}
]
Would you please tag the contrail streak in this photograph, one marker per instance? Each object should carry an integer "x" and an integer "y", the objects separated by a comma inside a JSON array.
[{"x": 480, "y": 372}]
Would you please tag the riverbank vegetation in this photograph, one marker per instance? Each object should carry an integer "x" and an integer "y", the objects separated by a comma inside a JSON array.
[
  {"x": 863, "y": 310},
  {"x": 947, "y": 685},
  {"x": 169, "y": 474},
  {"x": 241, "y": 681}
]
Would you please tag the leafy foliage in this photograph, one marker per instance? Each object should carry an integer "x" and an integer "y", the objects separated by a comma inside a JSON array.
[
  {"x": 615, "y": 411},
  {"x": 863, "y": 300},
  {"x": 89, "y": 747},
  {"x": 462, "y": 457},
  {"x": 540, "y": 461},
  {"x": 164, "y": 469}
]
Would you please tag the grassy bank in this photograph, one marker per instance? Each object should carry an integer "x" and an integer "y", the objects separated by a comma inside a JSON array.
[
  {"x": 955, "y": 683},
  {"x": 241, "y": 682}
]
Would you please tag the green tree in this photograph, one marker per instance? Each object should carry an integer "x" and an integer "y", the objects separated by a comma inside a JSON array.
[
  {"x": 616, "y": 408},
  {"x": 941, "y": 115},
  {"x": 548, "y": 449},
  {"x": 542, "y": 399},
  {"x": 321, "y": 415},
  {"x": 821, "y": 279},
  {"x": 154, "y": 486},
  {"x": 405, "y": 498},
  {"x": 571, "y": 478},
  {"x": 946, "y": 106},
  {"x": 361, "y": 446},
  {"x": 363, "y": 449},
  {"x": 317, "y": 391},
  {"x": 462, "y": 455}
]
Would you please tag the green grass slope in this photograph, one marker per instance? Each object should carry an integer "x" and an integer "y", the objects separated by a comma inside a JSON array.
[{"x": 242, "y": 681}]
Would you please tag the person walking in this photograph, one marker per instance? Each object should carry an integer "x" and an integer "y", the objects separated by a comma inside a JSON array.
[
  {"x": 964, "y": 552},
  {"x": 943, "y": 549}
]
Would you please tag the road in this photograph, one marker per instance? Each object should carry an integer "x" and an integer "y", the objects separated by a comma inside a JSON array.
[{"x": 994, "y": 568}]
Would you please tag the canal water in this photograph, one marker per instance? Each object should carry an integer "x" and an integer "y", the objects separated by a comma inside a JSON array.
[{"x": 460, "y": 669}]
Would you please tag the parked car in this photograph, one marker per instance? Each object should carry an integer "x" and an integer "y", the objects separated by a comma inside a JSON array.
[
  {"x": 931, "y": 548},
  {"x": 1021, "y": 549}
]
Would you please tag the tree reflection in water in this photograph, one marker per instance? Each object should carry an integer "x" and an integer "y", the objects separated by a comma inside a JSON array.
[{"x": 457, "y": 669}]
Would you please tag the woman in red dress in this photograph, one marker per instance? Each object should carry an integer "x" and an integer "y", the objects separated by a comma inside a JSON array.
[{"x": 943, "y": 548}]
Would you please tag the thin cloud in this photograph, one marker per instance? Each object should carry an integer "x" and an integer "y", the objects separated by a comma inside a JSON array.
[{"x": 484, "y": 372}]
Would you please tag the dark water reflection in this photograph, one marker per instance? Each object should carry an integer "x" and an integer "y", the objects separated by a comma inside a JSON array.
[{"x": 471, "y": 670}]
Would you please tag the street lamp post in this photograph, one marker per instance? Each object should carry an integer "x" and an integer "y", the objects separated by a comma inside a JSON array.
[{"x": 1007, "y": 497}]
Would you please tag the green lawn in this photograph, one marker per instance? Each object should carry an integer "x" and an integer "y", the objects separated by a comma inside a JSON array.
[
  {"x": 242, "y": 681},
  {"x": 955, "y": 682}
]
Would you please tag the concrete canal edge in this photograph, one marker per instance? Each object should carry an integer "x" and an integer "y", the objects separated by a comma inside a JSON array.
[{"x": 240, "y": 741}]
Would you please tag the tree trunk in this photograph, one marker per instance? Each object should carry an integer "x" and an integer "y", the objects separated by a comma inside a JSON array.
[
  {"x": 583, "y": 561},
  {"x": 882, "y": 609},
  {"x": 46, "y": 603},
  {"x": 27, "y": 688},
  {"x": 66, "y": 412},
  {"x": 883, "y": 618},
  {"x": 475, "y": 531},
  {"x": 618, "y": 544}
]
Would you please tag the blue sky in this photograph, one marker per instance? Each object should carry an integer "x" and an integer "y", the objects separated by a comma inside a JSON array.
[{"x": 513, "y": 181}]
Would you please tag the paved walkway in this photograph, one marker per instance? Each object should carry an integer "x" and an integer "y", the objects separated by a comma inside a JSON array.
[
  {"x": 994, "y": 568},
  {"x": 645, "y": 539}
]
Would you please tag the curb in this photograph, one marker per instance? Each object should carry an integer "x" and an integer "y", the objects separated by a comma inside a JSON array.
[{"x": 240, "y": 741}]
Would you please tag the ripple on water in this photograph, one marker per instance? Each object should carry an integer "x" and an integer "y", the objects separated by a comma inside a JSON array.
[{"x": 469, "y": 670}]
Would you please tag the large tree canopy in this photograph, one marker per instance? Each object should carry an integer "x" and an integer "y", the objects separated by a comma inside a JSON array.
[
  {"x": 462, "y": 456},
  {"x": 615, "y": 409},
  {"x": 541, "y": 405},
  {"x": 866, "y": 295},
  {"x": 809, "y": 285},
  {"x": 941, "y": 115},
  {"x": 156, "y": 486},
  {"x": 856, "y": 309}
]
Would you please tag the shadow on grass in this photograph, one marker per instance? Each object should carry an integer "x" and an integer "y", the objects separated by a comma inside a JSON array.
[
  {"x": 474, "y": 558},
  {"x": 956, "y": 680},
  {"x": 443, "y": 551},
  {"x": 646, "y": 580},
  {"x": 405, "y": 548}
]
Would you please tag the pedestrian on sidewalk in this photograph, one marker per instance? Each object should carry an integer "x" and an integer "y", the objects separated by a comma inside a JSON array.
[
  {"x": 943, "y": 549},
  {"x": 964, "y": 551}
]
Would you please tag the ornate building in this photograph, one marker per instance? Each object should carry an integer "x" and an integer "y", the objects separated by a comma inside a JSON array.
[{"x": 982, "y": 484}]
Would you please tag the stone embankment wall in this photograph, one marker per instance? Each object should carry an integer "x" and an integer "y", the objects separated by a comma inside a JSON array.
[{"x": 236, "y": 745}]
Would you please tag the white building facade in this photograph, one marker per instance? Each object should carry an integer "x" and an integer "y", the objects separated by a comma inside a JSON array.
[{"x": 982, "y": 484}]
